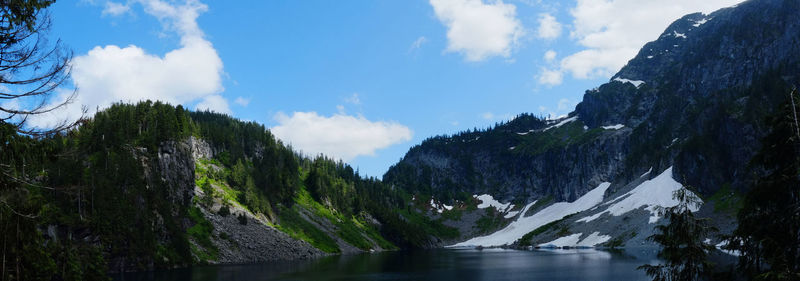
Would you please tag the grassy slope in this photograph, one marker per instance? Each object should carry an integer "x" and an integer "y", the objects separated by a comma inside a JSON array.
[{"x": 356, "y": 231}]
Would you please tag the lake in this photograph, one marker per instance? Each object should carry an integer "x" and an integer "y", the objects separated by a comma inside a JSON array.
[{"x": 440, "y": 265}]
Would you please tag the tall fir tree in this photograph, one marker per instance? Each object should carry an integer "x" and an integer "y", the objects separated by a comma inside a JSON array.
[
  {"x": 683, "y": 249},
  {"x": 768, "y": 235}
]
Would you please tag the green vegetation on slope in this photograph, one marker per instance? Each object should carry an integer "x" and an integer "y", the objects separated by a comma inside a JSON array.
[
  {"x": 101, "y": 182},
  {"x": 727, "y": 200},
  {"x": 527, "y": 239},
  {"x": 293, "y": 224},
  {"x": 201, "y": 232}
]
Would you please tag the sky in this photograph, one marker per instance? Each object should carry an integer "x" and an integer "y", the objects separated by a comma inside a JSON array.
[{"x": 357, "y": 80}]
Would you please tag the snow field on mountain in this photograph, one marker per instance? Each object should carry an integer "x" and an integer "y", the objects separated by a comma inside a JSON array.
[
  {"x": 523, "y": 225},
  {"x": 573, "y": 240},
  {"x": 651, "y": 194}
]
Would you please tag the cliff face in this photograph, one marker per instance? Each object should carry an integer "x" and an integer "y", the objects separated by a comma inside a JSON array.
[
  {"x": 695, "y": 99},
  {"x": 255, "y": 241},
  {"x": 173, "y": 170},
  {"x": 709, "y": 82}
]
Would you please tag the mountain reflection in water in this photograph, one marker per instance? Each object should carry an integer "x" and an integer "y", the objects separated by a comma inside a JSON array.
[{"x": 449, "y": 264}]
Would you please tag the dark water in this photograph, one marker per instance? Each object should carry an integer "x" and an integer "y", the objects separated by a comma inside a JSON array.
[{"x": 439, "y": 265}]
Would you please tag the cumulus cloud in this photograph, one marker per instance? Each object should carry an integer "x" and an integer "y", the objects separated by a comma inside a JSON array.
[
  {"x": 550, "y": 77},
  {"x": 479, "y": 30},
  {"x": 214, "y": 103},
  {"x": 613, "y": 31},
  {"x": 550, "y": 55},
  {"x": 549, "y": 27},
  {"x": 339, "y": 136},
  {"x": 191, "y": 73}
]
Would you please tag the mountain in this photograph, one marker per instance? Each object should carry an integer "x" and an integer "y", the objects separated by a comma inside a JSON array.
[
  {"x": 689, "y": 109},
  {"x": 150, "y": 185}
]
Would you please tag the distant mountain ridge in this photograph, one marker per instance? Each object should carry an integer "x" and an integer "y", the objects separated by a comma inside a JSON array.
[
  {"x": 692, "y": 102},
  {"x": 697, "y": 89}
]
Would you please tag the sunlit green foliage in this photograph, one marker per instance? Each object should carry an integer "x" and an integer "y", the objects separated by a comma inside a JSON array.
[{"x": 102, "y": 183}]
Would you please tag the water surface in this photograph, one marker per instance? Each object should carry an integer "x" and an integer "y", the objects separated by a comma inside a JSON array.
[{"x": 440, "y": 265}]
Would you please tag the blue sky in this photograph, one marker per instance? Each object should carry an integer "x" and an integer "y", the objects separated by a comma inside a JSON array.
[{"x": 361, "y": 80}]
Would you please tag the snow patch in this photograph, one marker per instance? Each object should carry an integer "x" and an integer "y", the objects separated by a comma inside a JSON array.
[
  {"x": 488, "y": 201},
  {"x": 651, "y": 194},
  {"x": 566, "y": 241},
  {"x": 511, "y": 214},
  {"x": 700, "y": 22},
  {"x": 559, "y": 124},
  {"x": 440, "y": 207},
  {"x": 572, "y": 241},
  {"x": 678, "y": 35},
  {"x": 523, "y": 225},
  {"x": 614, "y": 127},
  {"x": 550, "y": 120},
  {"x": 649, "y": 57},
  {"x": 594, "y": 239},
  {"x": 635, "y": 83},
  {"x": 512, "y": 148},
  {"x": 647, "y": 173}
]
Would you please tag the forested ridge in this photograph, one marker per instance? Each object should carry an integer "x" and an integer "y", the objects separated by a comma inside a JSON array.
[{"x": 73, "y": 201}]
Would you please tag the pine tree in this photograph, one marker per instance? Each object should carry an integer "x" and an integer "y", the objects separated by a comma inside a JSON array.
[
  {"x": 681, "y": 239},
  {"x": 30, "y": 69},
  {"x": 768, "y": 234}
]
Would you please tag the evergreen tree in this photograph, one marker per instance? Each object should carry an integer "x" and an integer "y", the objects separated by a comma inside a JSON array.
[
  {"x": 768, "y": 234},
  {"x": 30, "y": 69},
  {"x": 681, "y": 240}
]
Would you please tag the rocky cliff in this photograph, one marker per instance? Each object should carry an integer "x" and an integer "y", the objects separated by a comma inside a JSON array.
[{"x": 695, "y": 100}]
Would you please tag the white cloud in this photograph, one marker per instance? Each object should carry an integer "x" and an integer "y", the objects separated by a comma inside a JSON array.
[
  {"x": 115, "y": 9},
  {"x": 550, "y": 55},
  {"x": 339, "y": 136},
  {"x": 417, "y": 43},
  {"x": 613, "y": 31},
  {"x": 550, "y": 77},
  {"x": 549, "y": 27},
  {"x": 242, "y": 101},
  {"x": 478, "y": 30},
  {"x": 214, "y": 103},
  {"x": 487, "y": 116},
  {"x": 191, "y": 73}
]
